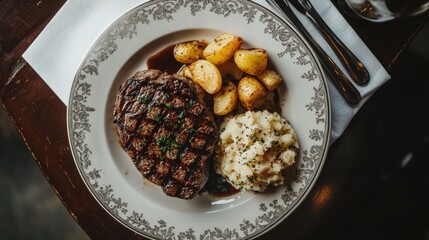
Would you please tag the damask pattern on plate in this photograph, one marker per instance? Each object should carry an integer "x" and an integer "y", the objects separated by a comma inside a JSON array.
[{"x": 290, "y": 47}]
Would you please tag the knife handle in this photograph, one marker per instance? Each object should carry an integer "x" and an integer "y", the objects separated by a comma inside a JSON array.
[
  {"x": 340, "y": 80},
  {"x": 354, "y": 66}
]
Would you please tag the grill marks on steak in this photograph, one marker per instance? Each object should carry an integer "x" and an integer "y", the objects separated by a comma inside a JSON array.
[{"x": 166, "y": 129}]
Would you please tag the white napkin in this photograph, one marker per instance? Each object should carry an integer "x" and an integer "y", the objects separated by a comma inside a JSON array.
[{"x": 58, "y": 51}]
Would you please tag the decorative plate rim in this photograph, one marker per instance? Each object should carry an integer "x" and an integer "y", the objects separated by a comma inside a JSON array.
[{"x": 162, "y": 225}]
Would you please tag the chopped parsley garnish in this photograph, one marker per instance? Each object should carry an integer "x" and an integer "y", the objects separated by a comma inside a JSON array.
[
  {"x": 191, "y": 102},
  {"x": 162, "y": 141},
  {"x": 182, "y": 115},
  {"x": 144, "y": 99},
  {"x": 165, "y": 142},
  {"x": 164, "y": 148},
  {"x": 191, "y": 130},
  {"x": 169, "y": 105},
  {"x": 175, "y": 144},
  {"x": 158, "y": 117}
]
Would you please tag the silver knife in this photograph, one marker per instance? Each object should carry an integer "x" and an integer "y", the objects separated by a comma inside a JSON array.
[
  {"x": 340, "y": 80},
  {"x": 354, "y": 66}
]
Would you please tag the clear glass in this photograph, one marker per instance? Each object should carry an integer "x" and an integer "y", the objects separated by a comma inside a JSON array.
[{"x": 383, "y": 10}]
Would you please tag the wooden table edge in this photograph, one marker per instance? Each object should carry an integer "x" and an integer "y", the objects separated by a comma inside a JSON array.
[{"x": 14, "y": 59}]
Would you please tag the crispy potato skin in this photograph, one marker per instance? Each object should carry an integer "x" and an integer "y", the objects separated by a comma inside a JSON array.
[
  {"x": 225, "y": 100},
  {"x": 270, "y": 78},
  {"x": 189, "y": 52},
  {"x": 250, "y": 92},
  {"x": 206, "y": 75},
  {"x": 251, "y": 61},
  {"x": 185, "y": 72},
  {"x": 222, "y": 48},
  {"x": 230, "y": 70}
]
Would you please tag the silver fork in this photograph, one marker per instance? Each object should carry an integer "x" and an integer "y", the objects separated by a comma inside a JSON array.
[
  {"x": 340, "y": 80},
  {"x": 354, "y": 66}
]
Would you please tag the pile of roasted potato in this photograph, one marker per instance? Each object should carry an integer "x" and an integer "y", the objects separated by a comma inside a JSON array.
[{"x": 215, "y": 65}]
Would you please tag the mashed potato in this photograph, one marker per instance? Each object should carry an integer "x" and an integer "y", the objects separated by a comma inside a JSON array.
[{"x": 255, "y": 148}]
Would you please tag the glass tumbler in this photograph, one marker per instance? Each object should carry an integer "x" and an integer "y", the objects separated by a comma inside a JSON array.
[{"x": 383, "y": 10}]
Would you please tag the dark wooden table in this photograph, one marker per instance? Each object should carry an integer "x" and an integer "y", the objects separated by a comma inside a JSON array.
[{"x": 40, "y": 117}]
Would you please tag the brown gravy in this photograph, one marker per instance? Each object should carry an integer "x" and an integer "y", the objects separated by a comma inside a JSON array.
[{"x": 164, "y": 61}]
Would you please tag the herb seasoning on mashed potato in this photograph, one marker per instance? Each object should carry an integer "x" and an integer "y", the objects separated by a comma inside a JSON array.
[{"x": 255, "y": 148}]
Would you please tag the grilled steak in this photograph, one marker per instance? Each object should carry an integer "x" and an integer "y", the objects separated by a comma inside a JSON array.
[{"x": 166, "y": 129}]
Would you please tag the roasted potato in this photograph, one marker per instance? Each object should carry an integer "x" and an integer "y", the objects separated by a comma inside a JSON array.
[
  {"x": 222, "y": 48},
  {"x": 251, "y": 92},
  {"x": 185, "y": 72},
  {"x": 230, "y": 70},
  {"x": 189, "y": 52},
  {"x": 270, "y": 79},
  {"x": 206, "y": 75},
  {"x": 252, "y": 61},
  {"x": 225, "y": 100}
]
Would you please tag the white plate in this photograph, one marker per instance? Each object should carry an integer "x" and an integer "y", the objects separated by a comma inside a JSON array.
[{"x": 123, "y": 49}]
